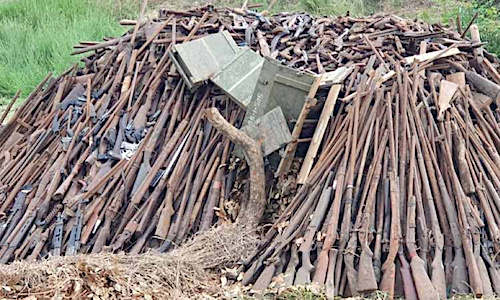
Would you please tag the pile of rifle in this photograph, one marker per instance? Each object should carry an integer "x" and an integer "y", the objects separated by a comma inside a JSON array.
[
  {"x": 115, "y": 155},
  {"x": 402, "y": 195},
  {"x": 398, "y": 188}
]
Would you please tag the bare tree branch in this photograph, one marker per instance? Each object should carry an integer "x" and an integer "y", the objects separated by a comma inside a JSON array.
[{"x": 256, "y": 204}]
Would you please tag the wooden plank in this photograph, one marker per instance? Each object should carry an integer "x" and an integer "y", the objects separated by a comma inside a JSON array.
[
  {"x": 432, "y": 55},
  {"x": 458, "y": 78},
  {"x": 481, "y": 99},
  {"x": 286, "y": 160},
  {"x": 319, "y": 133},
  {"x": 335, "y": 77},
  {"x": 446, "y": 91}
]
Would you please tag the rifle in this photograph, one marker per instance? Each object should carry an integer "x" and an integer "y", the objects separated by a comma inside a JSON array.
[
  {"x": 137, "y": 197},
  {"x": 346, "y": 219},
  {"x": 58, "y": 235},
  {"x": 17, "y": 238},
  {"x": 184, "y": 224},
  {"x": 76, "y": 231},
  {"x": 116, "y": 138},
  {"x": 152, "y": 200},
  {"x": 444, "y": 206},
  {"x": 141, "y": 241},
  {"x": 423, "y": 284},
  {"x": 16, "y": 213},
  {"x": 28, "y": 243},
  {"x": 185, "y": 197},
  {"x": 213, "y": 197},
  {"x": 168, "y": 210},
  {"x": 202, "y": 193},
  {"x": 303, "y": 273},
  {"x": 474, "y": 276},
  {"x": 60, "y": 167},
  {"x": 44, "y": 236},
  {"x": 289, "y": 274},
  {"x": 109, "y": 215},
  {"x": 366, "y": 281},
  {"x": 322, "y": 260},
  {"x": 130, "y": 70},
  {"x": 404, "y": 99},
  {"x": 145, "y": 167},
  {"x": 92, "y": 219},
  {"x": 20, "y": 184},
  {"x": 388, "y": 267},
  {"x": 330, "y": 284},
  {"x": 381, "y": 212},
  {"x": 63, "y": 188},
  {"x": 127, "y": 232},
  {"x": 438, "y": 278},
  {"x": 140, "y": 118}
]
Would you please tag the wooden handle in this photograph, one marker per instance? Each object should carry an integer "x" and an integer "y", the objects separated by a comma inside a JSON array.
[{"x": 423, "y": 284}]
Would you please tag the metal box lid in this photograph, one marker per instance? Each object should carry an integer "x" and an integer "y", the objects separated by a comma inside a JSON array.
[
  {"x": 279, "y": 85},
  {"x": 198, "y": 60},
  {"x": 239, "y": 77},
  {"x": 271, "y": 130}
]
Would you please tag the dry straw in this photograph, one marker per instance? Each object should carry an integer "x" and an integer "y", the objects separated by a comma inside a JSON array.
[{"x": 191, "y": 268}]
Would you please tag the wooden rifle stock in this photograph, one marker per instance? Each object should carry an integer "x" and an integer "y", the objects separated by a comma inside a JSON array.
[
  {"x": 389, "y": 267},
  {"x": 322, "y": 264}
]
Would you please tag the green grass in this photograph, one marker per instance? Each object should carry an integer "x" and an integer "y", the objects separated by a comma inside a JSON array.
[
  {"x": 488, "y": 21},
  {"x": 316, "y": 7},
  {"x": 37, "y": 36}
]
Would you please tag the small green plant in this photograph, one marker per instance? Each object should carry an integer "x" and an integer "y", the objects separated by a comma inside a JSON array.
[{"x": 302, "y": 293}]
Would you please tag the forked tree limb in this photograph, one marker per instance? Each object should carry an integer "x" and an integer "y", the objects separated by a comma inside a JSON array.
[{"x": 253, "y": 154}]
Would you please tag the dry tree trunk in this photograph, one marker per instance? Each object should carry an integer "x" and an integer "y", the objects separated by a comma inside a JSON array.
[{"x": 253, "y": 155}]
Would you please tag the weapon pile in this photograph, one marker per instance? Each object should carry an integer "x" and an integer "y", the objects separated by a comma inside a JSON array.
[
  {"x": 397, "y": 190},
  {"x": 106, "y": 156},
  {"x": 402, "y": 195}
]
